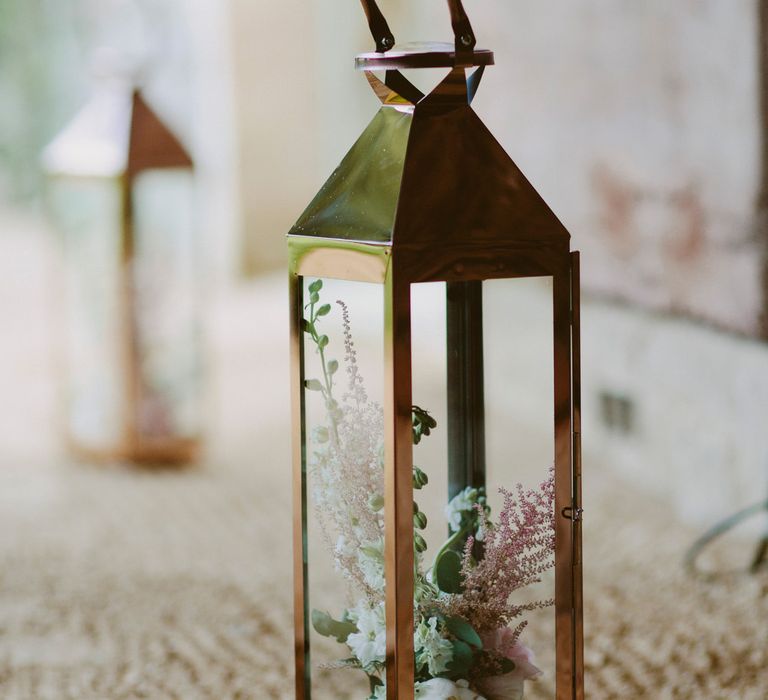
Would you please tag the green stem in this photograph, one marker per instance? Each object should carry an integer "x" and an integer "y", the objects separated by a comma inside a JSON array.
[
  {"x": 328, "y": 392},
  {"x": 455, "y": 537}
]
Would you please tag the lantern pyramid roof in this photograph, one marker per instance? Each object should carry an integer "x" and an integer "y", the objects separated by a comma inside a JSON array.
[
  {"x": 114, "y": 133},
  {"x": 430, "y": 173}
]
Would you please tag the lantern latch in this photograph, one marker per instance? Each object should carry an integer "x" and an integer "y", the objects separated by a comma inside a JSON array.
[{"x": 573, "y": 513}]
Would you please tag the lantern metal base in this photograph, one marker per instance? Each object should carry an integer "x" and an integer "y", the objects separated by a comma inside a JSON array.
[{"x": 171, "y": 453}]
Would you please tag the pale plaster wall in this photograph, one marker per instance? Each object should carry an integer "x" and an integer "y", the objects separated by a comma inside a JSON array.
[
  {"x": 638, "y": 122},
  {"x": 700, "y": 402}
]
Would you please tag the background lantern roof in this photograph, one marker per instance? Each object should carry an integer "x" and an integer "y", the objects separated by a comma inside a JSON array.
[
  {"x": 427, "y": 171},
  {"x": 115, "y": 133}
]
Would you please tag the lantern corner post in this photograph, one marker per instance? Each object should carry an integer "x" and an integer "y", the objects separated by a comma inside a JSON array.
[
  {"x": 129, "y": 360},
  {"x": 300, "y": 618},
  {"x": 578, "y": 586},
  {"x": 465, "y": 374},
  {"x": 564, "y": 495},
  {"x": 398, "y": 478}
]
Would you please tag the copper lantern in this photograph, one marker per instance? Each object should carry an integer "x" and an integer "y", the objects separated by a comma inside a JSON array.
[
  {"x": 420, "y": 572},
  {"x": 120, "y": 193}
]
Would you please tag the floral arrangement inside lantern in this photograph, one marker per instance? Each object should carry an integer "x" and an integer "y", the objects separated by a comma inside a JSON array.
[{"x": 468, "y": 625}]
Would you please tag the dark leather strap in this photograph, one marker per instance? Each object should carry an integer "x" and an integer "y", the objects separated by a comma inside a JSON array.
[
  {"x": 385, "y": 40},
  {"x": 462, "y": 29},
  {"x": 380, "y": 30}
]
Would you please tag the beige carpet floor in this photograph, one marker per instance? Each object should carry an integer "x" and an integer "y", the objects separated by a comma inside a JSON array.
[{"x": 117, "y": 583}]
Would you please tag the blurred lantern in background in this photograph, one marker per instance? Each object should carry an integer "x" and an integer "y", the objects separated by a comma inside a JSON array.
[
  {"x": 427, "y": 196},
  {"x": 120, "y": 192}
]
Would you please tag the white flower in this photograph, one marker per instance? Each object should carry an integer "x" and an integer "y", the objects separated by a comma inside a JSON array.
[
  {"x": 431, "y": 647},
  {"x": 443, "y": 689},
  {"x": 462, "y": 502},
  {"x": 369, "y": 643},
  {"x": 343, "y": 547},
  {"x": 370, "y": 559}
]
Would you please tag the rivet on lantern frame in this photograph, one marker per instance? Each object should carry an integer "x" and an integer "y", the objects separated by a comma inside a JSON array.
[{"x": 427, "y": 194}]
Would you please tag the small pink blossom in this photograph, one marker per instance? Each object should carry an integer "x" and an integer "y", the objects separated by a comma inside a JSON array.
[
  {"x": 510, "y": 686},
  {"x": 504, "y": 641},
  {"x": 519, "y": 548}
]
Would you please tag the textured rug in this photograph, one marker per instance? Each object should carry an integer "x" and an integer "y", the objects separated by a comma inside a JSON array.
[
  {"x": 122, "y": 585},
  {"x": 117, "y": 583}
]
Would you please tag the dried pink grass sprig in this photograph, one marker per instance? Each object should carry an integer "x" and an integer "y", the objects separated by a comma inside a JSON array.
[{"x": 519, "y": 548}]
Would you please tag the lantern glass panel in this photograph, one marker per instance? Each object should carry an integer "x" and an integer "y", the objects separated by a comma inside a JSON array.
[
  {"x": 519, "y": 428},
  {"x": 164, "y": 278},
  {"x": 430, "y": 455},
  {"x": 507, "y": 438},
  {"x": 89, "y": 215},
  {"x": 344, "y": 462}
]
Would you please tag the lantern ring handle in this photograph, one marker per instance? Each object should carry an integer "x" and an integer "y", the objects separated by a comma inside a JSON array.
[{"x": 463, "y": 34}]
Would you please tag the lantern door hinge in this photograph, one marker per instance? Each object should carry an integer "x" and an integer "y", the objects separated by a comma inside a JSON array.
[{"x": 573, "y": 513}]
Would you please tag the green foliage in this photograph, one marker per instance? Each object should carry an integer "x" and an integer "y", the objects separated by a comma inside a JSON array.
[
  {"x": 309, "y": 326},
  {"x": 461, "y": 663},
  {"x": 461, "y": 629},
  {"x": 375, "y": 502},
  {"x": 506, "y": 665},
  {"x": 423, "y": 423},
  {"x": 447, "y": 571},
  {"x": 420, "y": 479},
  {"x": 326, "y": 626},
  {"x": 375, "y": 682},
  {"x": 419, "y": 543}
]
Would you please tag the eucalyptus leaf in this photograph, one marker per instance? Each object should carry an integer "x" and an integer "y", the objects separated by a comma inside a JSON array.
[
  {"x": 313, "y": 385},
  {"x": 447, "y": 572},
  {"x": 371, "y": 552},
  {"x": 462, "y": 630},
  {"x": 419, "y": 478},
  {"x": 325, "y": 625},
  {"x": 459, "y": 666},
  {"x": 324, "y": 310},
  {"x": 316, "y": 286},
  {"x": 333, "y": 366},
  {"x": 322, "y": 341},
  {"x": 314, "y": 298},
  {"x": 507, "y": 665}
]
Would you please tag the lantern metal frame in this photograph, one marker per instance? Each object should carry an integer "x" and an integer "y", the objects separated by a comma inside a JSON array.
[
  {"x": 459, "y": 217},
  {"x": 116, "y": 137}
]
